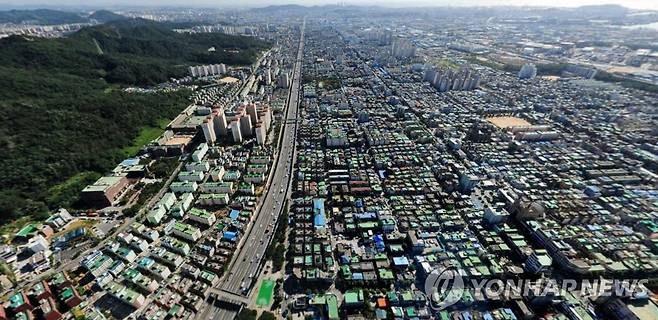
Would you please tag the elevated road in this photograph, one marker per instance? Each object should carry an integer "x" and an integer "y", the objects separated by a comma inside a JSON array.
[
  {"x": 246, "y": 264},
  {"x": 229, "y": 297}
]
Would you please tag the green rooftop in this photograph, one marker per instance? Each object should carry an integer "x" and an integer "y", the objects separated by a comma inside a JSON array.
[
  {"x": 27, "y": 230},
  {"x": 332, "y": 307},
  {"x": 16, "y": 300},
  {"x": 66, "y": 294}
]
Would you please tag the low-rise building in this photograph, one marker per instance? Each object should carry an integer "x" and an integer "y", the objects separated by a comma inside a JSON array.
[
  {"x": 126, "y": 295},
  {"x": 202, "y": 216},
  {"x": 186, "y": 231},
  {"x": 69, "y": 297},
  {"x": 106, "y": 191},
  {"x": 155, "y": 215},
  {"x": 183, "y": 186},
  {"x": 209, "y": 199},
  {"x": 195, "y": 176}
]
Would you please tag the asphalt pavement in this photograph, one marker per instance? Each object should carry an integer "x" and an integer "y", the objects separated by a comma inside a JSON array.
[{"x": 248, "y": 261}]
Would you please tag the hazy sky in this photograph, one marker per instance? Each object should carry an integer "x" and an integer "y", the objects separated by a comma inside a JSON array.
[{"x": 639, "y": 4}]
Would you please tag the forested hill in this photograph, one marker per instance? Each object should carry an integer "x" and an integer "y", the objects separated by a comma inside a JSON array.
[
  {"x": 133, "y": 51},
  {"x": 63, "y": 112},
  {"x": 104, "y": 16},
  {"x": 40, "y": 16},
  {"x": 51, "y": 17}
]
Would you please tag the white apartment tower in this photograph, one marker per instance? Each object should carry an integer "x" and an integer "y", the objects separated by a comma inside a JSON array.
[
  {"x": 235, "y": 130},
  {"x": 208, "y": 130},
  {"x": 252, "y": 112},
  {"x": 219, "y": 122}
]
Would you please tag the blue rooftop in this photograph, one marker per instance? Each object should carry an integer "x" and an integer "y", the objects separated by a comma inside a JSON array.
[
  {"x": 366, "y": 215},
  {"x": 130, "y": 162},
  {"x": 319, "y": 221},
  {"x": 229, "y": 235},
  {"x": 318, "y": 204},
  {"x": 344, "y": 259},
  {"x": 318, "y": 210},
  {"x": 400, "y": 261}
]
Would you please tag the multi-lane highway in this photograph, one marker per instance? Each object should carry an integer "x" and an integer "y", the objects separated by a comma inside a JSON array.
[{"x": 247, "y": 261}]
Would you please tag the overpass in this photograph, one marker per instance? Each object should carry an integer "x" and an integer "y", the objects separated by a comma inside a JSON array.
[
  {"x": 245, "y": 265},
  {"x": 227, "y": 297}
]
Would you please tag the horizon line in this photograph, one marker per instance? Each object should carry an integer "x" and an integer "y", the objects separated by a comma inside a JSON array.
[{"x": 385, "y": 5}]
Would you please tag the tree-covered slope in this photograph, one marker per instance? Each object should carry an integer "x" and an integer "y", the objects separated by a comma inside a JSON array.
[
  {"x": 63, "y": 112},
  {"x": 131, "y": 51}
]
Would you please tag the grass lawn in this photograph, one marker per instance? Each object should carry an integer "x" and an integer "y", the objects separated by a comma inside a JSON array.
[
  {"x": 79, "y": 178},
  {"x": 67, "y": 193},
  {"x": 265, "y": 293},
  {"x": 146, "y": 135}
]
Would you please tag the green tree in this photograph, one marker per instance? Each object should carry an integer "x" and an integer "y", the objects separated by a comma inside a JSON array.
[
  {"x": 247, "y": 314},
  {"x": 266, "y": 315}
]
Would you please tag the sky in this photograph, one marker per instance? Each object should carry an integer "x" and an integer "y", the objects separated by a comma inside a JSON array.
[{"x": 635, "y": 4}]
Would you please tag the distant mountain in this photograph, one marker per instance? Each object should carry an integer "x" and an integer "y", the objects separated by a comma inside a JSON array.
[
  {"x": 40, "y": 16},
  {"x": 603, "y": 11},
  {"x": 103, "y": 16},
  {"x": 287, "y": 8},
  {"x": 614, "y": 14},
  {"x": 281, "y": 7}
]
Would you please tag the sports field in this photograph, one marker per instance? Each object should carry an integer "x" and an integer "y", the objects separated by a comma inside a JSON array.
[
  {"x": 265, "y": 293},
  {"x": 505, "y": 122}
]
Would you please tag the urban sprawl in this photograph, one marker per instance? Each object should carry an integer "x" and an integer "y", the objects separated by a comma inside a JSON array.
[{"x": 359, "y": 155}]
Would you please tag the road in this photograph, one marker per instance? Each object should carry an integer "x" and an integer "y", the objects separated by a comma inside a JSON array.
[
  {"x": 248, "y": 260},
  {"x": 75, "y": 262}
]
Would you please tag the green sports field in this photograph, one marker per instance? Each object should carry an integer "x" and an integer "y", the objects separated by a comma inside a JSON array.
[{"x": 265, "y": 293}]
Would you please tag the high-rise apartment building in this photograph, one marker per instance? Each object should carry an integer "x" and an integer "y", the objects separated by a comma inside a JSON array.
[
  {"x": 402, "y": 48},
  {"x": 528, "y": 71},
  {"x": 208, "y": 130}
]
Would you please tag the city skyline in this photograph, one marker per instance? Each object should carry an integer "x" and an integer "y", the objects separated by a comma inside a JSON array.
[{"x": 632, "y": 4}]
